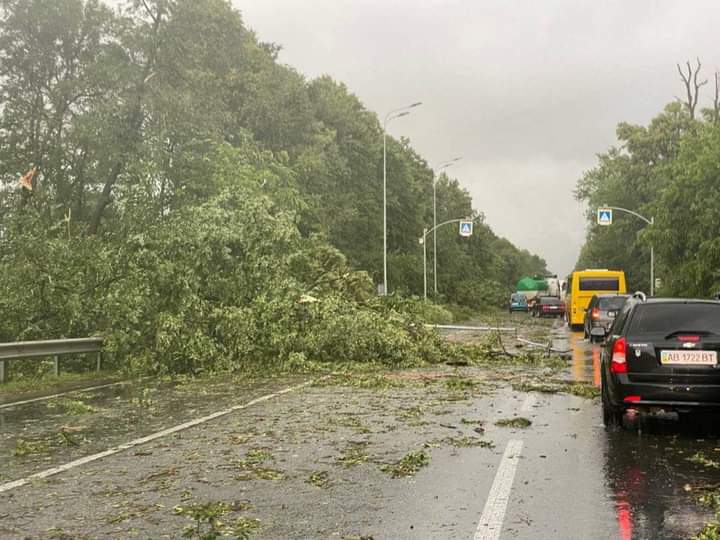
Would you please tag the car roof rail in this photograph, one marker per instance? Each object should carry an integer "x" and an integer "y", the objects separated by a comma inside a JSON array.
[{"x": 639, "y": 295}]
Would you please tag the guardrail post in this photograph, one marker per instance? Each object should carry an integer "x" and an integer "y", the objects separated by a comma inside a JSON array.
[
  {"x": 99, "y": 361},
  {"x": 56, "y": 365},
  {"x": 2, "y": 370}
]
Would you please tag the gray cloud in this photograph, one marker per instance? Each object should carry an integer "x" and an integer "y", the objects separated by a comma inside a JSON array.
[{"x": 528, "y": 92}]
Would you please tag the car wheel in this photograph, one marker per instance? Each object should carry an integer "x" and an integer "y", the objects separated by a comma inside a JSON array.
[{"x": 612, "y": 418}]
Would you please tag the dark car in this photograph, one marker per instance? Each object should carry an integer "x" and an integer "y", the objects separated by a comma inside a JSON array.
[
  {"x": 518, "y": 302},
  {"x": 661, "y": 357},
  {"x": 549, "y": 306},
  {"x": 600, "y": 314}
]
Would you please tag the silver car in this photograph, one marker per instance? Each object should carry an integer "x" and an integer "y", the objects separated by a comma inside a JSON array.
[{"x": 600, "y": 314}]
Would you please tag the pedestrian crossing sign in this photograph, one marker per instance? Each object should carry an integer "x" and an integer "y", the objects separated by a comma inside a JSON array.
[
  {"x": 466, "y": 228},
  {"x": 604, "y": 216}
]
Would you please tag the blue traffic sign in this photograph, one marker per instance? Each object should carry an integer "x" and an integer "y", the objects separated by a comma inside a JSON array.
[
  {"x": 466, "y": 228},
  {"x": 604, "y": 216}
]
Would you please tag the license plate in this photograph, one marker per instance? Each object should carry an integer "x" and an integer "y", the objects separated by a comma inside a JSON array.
[
  {"x": 612, "y": 314},
  {"x": 553, "y": 307},
  {"x": 689, "y": 358}
]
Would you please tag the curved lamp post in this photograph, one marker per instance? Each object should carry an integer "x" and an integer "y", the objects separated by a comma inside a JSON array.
[
  {"x": 439, "y": 167},
  {"x": 650, "y": 221}
]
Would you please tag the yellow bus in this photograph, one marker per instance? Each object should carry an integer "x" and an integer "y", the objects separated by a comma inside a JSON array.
[{"x": 584, "y": 284}]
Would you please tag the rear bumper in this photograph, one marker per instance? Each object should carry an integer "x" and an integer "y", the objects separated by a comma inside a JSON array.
[
  {"x": 605, "y": 325},
  {"x": 663, "y": 394}
]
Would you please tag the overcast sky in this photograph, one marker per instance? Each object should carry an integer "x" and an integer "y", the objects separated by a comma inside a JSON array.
[{"x": 528, "y": 92}]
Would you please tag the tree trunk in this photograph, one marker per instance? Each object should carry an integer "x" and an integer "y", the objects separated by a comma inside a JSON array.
[{"x": 134, "y": 122}]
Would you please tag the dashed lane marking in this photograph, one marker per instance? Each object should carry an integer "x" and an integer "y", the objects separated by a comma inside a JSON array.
[
  {"x": 491, "y": 521},
  {"x": 529, "y": 403}
]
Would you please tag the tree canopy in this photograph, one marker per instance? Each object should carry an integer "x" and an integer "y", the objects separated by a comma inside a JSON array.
[
  {"x": 668, "y": 170},
  {"x": 189, "y": 187}
]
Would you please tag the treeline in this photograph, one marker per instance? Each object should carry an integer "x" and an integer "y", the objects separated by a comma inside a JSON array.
[
  {"x": 669, "y": 170},
  {"x": 194, "y": 199}
]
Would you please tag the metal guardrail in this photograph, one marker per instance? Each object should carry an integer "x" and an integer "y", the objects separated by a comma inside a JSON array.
[{"x": 52, "y": 347}]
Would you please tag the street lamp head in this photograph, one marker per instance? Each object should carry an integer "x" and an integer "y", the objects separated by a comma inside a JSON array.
[
  {"x": 457, "y": 158},
  {"x": 416, "y": 104}
]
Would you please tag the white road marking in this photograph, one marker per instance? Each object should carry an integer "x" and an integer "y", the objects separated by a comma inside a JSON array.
[
  {"x": 75, "y": 391},
  {"x": 493, "y": 515},
  {"x": 142, "y": 440},
  {"x": 529, "y": 403}
]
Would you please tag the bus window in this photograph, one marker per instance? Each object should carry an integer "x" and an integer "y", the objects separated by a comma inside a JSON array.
[{"x": 599, "y": 284}]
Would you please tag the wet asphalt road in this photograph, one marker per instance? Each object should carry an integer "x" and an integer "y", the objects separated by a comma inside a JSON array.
[{"x": 322, "y": 450}]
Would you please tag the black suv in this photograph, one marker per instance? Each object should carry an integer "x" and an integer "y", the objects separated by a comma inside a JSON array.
[{"x": 661, "y": 356}]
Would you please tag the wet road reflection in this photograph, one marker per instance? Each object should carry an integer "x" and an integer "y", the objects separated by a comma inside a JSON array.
[
  {"x": 585, "y": 359},
  {"x": 650, "y": 474},
  {"x": 654, "y": 482}
]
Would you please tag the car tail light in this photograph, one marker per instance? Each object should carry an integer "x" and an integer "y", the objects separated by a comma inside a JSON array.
[
  {"x": 632, "y": 399},
  {"x": 618, "y": 363},
  {"x": 595, "y": 313},
  {"x": 690, "y": 339}
]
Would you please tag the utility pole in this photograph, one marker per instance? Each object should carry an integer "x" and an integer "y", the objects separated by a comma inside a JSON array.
[
  {"x": 440, "y": 167},
  {"x": 395, "y": 113}
]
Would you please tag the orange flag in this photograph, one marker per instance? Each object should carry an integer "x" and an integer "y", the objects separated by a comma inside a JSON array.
[{"x": 26, "y": 180}]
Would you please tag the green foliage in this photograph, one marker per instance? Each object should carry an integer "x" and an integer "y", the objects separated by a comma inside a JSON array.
[
  {"x": 210, "y": 524},
  {"x": 204, "y": 207},
  {"x": 409, "y": 465},
  {"x": 515, "y": 422},
  {"x": 668, "y": 170}
]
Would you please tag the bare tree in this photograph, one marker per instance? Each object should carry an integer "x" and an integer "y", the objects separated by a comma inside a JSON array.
[
  {"x": 692, "y": 86},
  {"x": 716, "y": 99}
]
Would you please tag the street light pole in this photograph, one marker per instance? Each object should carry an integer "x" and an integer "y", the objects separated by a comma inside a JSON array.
[
  {"x": 423, "y": 241},
  {"x": 650, "y": 221},
  {"x": 441, "y": 166},
  {"x": 395, "y": 113}
]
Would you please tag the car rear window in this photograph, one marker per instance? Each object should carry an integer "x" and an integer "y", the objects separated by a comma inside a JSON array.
[
  {"x": 612, "y": 304},
  {"x": 549, "y": 300},
  {"x": 669, "y": 318},
  {"x": 599, "y": 284}
]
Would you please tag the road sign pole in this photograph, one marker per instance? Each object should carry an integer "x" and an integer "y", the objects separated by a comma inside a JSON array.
[
  {"x": 650, "y": 221},
  {"x": 424, "y": 243},
  {"x": 652, "y": 271},
  {"x": 652, "y": 263}
]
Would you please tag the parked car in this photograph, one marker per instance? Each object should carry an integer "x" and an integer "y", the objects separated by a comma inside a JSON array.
[
  {"x": 661, "y": 356},
  {"x": 518, "y": 302},
  {"x": 600, "y": 314},
  {"x": 549, "y": 306}
]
